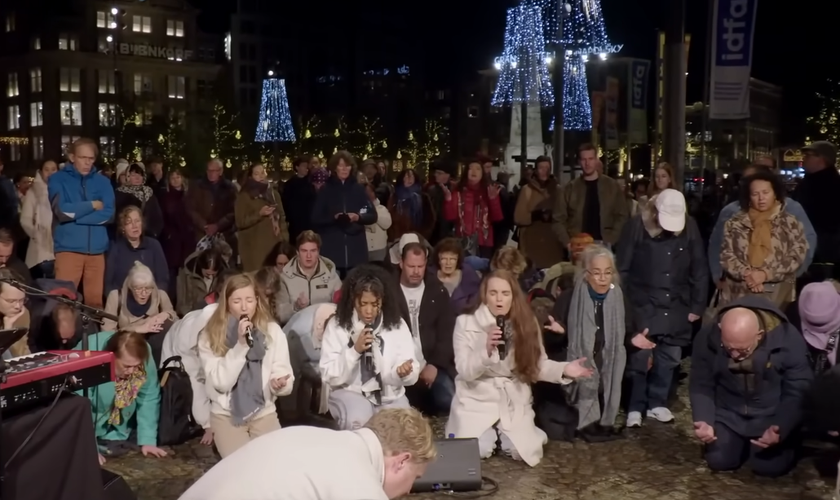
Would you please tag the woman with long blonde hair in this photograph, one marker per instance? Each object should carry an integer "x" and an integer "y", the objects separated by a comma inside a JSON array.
[
  {"x": 245, "y": 359},
  {"x": 499, "y": 354}
]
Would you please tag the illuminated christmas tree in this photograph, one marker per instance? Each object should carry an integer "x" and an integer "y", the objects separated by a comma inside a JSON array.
[
  {"x": 524, "y": 73},
  {"x": 275, "y": 123}
]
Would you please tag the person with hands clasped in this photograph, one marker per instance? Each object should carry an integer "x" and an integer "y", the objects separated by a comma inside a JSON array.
[
  {"x": 473, "y": 208},
  {"x": 496, "y": 366},
  {"x": 367, "y": 352},
  {"x": 245, "y": 360},
  {"x": 749, "y": 377}
]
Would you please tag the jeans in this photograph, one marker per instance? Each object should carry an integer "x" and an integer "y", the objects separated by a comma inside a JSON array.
[
  {"x": 351, "y": 410},
  {"x": 45, "y": 270},
  {"x": 649, "y": 388},
  {"x": 443, "y": 390},
  {"x": 731, "y": 450}
]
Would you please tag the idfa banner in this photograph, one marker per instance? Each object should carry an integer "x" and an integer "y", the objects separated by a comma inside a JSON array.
[
  {"x": 637, "y": 96},
  {"x": 732, "y": 40},
  {"x": 611, "y": 122}
]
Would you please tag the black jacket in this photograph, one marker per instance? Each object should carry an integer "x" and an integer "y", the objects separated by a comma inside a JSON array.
[
  {"x": 298, "y": 199},
  {"x": 817, "y": 193},
  {"x": 666, "y": 278},
  {"x": 436, "y": 323},
  {"x": 782, "y": 377},
  {"x": 344, "y": 243}
]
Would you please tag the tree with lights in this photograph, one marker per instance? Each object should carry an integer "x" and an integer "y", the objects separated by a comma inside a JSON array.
[
  {"x": 226, "y": 138},
  {"x": 825, "y": 124},
  {"x": 275, "y": 122},
  {"x": 367, "y": 138},
  {"x": 424, "y": 145},
  {"x": 172, "y": 143}
]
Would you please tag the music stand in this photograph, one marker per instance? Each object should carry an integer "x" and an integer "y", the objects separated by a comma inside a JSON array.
[{"x": 7, "y": 339}]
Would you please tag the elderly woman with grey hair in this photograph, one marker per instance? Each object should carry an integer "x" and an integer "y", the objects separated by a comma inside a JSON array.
[{"x": 589, "y": 321}]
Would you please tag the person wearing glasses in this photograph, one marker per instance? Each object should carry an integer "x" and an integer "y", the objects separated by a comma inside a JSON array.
[
  {"x": 132, "y": 245},
  {"x": 142, "y": 307},
  {"x": 13, "y": 311},
  {"x": 748, "y": 383}
]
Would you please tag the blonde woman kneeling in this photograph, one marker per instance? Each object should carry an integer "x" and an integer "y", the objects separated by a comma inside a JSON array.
[{"x": 243, "y": 381}]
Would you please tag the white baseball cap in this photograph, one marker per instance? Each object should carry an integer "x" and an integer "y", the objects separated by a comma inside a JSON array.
[{"x": 670, "y": 209}]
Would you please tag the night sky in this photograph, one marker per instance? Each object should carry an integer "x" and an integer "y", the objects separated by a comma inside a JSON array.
[{"x": 793, "y": 44}]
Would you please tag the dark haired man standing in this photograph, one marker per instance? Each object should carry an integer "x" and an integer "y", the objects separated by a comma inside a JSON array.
[
  {"x": 817, "y": 192},
  {"x": 298, "y": 199}
]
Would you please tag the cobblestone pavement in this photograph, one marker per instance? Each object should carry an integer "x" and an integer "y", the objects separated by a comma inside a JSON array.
[{"x": 657, "y": 462}]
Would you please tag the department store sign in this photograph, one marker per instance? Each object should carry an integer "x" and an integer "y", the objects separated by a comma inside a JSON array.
[{"x": 157, "y": 52}]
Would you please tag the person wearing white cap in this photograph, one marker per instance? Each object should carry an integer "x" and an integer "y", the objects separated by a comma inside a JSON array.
[{"x": 662, "y": 264}]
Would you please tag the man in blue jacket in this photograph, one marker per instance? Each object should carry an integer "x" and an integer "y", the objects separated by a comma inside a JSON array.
[
  {"x": 791, "y": 206},
  {"x": 83, "y": 205},
  {"x": 749, "y": 378}
]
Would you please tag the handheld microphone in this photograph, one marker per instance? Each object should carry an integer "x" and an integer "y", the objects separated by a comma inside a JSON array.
[
  {"x": 500, "y": 322},
  {"x": 249, "y": 338},
  {"x": 369, "y": 350}
]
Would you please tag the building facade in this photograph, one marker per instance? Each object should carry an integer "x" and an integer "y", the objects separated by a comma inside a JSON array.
[{"x": 92, "y": 67}]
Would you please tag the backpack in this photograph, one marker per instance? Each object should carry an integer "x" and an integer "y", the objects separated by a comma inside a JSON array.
[{"x": 176, "y": 424}]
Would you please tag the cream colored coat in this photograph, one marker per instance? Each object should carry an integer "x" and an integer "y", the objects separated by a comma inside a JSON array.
[
  {"x": 36, "y": 220},
  {"x": 377, "y": 233},
  {"x": 486, "y": 391}
]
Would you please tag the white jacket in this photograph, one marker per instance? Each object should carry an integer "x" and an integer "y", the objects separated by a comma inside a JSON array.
[
  {"x": 377, "y": 233},
  {"x": 222, "y": 373},
  {"x": 182, "y": 340},
  {"x": 36, "y": 220},
  {"x": 487, "y": 392},
  {"x": 341, "y": 365}
]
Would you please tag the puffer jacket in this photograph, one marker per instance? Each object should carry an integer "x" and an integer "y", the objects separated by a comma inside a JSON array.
[{"x": 318, "y": 289}]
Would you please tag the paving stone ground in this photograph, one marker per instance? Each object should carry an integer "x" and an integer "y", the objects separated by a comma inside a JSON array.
[{"x": 656, "y": 462}]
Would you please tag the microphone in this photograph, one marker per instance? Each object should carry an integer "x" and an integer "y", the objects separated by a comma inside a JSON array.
[
  {"x": 500, "y": 322},
  {"x": 369, "y": 351},
  {"x": 249, "y": 339}
]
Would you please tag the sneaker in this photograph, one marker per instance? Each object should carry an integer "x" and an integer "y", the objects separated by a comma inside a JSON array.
[
  {"x": 662, "y": 414},
  {"x": 634, "y": 419}
]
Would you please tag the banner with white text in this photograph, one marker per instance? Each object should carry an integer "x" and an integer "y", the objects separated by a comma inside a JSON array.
[
  {"x": 637, "y": 97},
  {"x": 611, "y": 121},
  {"x": 732, "y": 41}
]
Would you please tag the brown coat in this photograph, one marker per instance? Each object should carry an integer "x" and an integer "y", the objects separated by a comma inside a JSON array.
[
  {"x": 536, "y": 240},
  {"x": 568, "y": 210},
  {"x": 212, "y": 206},
  {"x": 256, "y": 233}
]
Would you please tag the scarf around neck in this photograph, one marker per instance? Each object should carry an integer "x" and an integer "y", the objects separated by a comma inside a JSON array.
[
  {"x": 371, "y": 378},
  {"x": 142, "y": 193},
  {"x": 761, "y": 237},
  {"x": 581, "y": 333},
  {"x": 247, "y": 397},
  {"x": 410, "y": 203},
  {"x": 125, "y": 392}
]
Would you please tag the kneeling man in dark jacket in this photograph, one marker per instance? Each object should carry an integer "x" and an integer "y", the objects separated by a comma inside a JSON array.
[{"x": 749, "y": 377}]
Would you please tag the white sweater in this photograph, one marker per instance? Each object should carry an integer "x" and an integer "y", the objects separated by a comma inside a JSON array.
[
  {"x": 222, "y": 373},
  {"x": 298, "y": 463},
  {"x": 182, "y": 340},
  {"x": 341, "y": 365}
]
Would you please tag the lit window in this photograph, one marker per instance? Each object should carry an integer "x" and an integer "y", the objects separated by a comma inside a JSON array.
[
  {"x": 10, "y": 22},
  {"x": 14, "y": 117},
  {"x": 69, "y": 79},
  {"x": 13, "y": 89},
  {"x": 66, "y": 142},
  {"x": 107, "y": 114},
  {"x": 142, "y": 83},
  {"x": 36, "y": 114},
  {"x": 14, "y": 151},
  {"x": 108, "y": 146},
  {"x": 67, "y": 42},
  {"x": 177, "y": 87},
  {"x": 143, "y": 116},
  {"x": 71, "y": 113},
  {"x": 107, "y": 82},
  {"x": 174, "y": 28},
  {"x": 178, "y": 116},
  {"x": 105, "y": 20},
  {"x": 35, "y": 80},
  {"x": 36, "y": 43},
  {"x": 38, "y": 148},
  {"x": 142, "y": 24}
]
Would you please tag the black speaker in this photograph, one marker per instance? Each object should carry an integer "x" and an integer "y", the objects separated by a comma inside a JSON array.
[
  {"x": 115, "y": 487},
  {"x": 457, "y": 468}
]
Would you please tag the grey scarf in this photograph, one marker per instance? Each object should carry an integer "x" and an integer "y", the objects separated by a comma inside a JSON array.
[
  {"x": 247, "y": 397},
  {"x": 371, "y": 390},
  {"x": 581, "y": 333}
]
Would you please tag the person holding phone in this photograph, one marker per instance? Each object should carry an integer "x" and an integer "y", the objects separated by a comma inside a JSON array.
[
  {"x": 367, "y": 352},
  {"x": 260, "y": 219},
  {"x": 245, "y": 359}
]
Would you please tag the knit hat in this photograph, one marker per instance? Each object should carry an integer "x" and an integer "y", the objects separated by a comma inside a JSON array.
[
  {"x": 121, "y": 168},
  {"x": 819, "y": 311},
  {"x": 319, "y": 176}
]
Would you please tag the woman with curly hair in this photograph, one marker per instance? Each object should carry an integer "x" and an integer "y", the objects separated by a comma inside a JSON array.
[
  {"x": 367, "y": 352},
  {"x": 499, "y": 354}
]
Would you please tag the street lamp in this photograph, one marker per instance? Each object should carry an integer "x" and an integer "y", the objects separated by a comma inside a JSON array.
[{"x": 109, "y": 39}]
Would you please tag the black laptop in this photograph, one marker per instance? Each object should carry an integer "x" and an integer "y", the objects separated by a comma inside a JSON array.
[{"x": 457, "y": 468}]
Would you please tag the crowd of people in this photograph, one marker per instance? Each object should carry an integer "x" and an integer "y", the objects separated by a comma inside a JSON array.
[{"x": 387, "y": 299}]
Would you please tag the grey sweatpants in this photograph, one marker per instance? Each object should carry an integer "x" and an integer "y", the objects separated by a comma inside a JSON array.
[{"x": 351, "y": 410}]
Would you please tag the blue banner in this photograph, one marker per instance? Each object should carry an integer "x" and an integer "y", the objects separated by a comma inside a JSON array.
[
  {"x": 732, "y": 40},
  {"x": 637, "y": 97}
]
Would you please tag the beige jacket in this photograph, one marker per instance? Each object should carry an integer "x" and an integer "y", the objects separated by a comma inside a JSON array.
[
  {"x": 318, "y": 289},
  {"x": 377, "y": 233},
  {"x": 115, "y": 304}
]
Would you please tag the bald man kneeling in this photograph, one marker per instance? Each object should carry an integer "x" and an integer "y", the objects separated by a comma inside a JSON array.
[{"x": 749, "y": 376}]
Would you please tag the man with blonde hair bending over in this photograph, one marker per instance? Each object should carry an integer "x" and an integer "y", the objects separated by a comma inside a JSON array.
[{"x": 377, "y": 462}]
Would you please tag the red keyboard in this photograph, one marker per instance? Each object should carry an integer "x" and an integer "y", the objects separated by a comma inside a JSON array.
[{"x": 37, "y": 377}]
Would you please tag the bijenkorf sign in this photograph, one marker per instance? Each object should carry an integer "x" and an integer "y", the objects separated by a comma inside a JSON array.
[{"x": 144, "y": 50}]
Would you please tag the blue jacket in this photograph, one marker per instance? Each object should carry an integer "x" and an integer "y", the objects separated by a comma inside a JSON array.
[
  {"x": 716, "y": 239},
  {"x": 781, "y": 371},
  {"x": 77, "y": 227},
  {"x": 344, "y": 243},
  {"x": 122, "y": 256}
]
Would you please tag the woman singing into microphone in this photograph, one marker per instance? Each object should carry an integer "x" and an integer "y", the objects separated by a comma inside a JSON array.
[
  {"x": 243, "y": 380},
  {"x": 496, "y": 367},
  {"x": 367, "y": 353}
]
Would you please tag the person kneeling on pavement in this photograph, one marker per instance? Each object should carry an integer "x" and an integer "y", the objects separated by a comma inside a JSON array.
[{"x": 749, "y": 378}]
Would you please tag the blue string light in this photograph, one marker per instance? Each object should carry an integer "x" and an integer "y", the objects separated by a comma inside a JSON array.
[
  {"x": 577, "y": 109},
  {"x": 523, "y": 64},
  {"x": 275, "y": 123}
]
